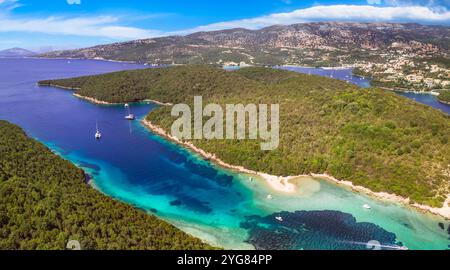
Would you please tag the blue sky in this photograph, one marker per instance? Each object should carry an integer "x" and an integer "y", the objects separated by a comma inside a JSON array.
[{"x": 62, "y": 24}]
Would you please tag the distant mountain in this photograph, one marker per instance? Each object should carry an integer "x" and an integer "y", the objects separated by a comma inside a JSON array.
[
  {"x": 16, "y": 52},
  {"x": 326, "y": 43}
]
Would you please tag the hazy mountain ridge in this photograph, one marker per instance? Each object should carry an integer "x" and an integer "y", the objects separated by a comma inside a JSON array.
[
  {"x": 16, "y": 52},
  {"x": 309, "y": 43}
]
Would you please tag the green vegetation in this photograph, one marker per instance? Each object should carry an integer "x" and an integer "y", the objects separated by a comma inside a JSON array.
[
  {"x": 369, "y": 136},
  {"x": 444, "y": 96},
  {"x": 360, "y": 72},
  {"x": 397, "y": 84},
  {"x": 44, "y": 203}
]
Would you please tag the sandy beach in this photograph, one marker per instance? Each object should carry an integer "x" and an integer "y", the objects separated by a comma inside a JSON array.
[
  {"x": 283, "y": 184},
  {"x": 157, "y": 102},
  {"x": 93, "y": 100},
  {"x": 278, "y": 183}
]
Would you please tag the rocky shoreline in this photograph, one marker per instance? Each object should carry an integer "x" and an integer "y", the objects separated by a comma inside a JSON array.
[{"x": 281, "y": 183}]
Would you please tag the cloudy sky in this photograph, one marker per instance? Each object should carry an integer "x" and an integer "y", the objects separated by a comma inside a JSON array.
[{"x": 62, "y": 24}]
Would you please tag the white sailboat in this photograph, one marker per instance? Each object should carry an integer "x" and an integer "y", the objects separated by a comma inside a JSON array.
[
  {"x": 279, "y": 218},
  {"x": 366, "y": 206},
  {"x": 129, "y": 116},
  {"x": 98, "y": 135}
]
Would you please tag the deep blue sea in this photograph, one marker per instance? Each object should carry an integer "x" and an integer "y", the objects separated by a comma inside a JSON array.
[
  {"x": 344, "y": 74},
  {"x": 427, "y": 99},
  {"x": 221, "y": 207}
]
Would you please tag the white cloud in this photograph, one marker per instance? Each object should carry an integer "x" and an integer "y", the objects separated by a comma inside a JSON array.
[
  {"x": 104, "y": 26},
  {"x": 358, "y": 13},
  {"x": 9, "y": 5},
  {"x": 74, "y": 2},
  {"x": 110, "y": 27},
  {"x": 429, "y": 3}
]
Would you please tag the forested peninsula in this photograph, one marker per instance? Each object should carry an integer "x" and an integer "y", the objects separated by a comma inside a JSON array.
[
  {"x": 45, "y": 202},
  {"x": 371, "y": 137}
]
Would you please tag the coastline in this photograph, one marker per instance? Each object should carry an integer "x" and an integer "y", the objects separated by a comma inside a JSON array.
[
  {"x": 80, "y": 58},
  {"x": 405, "y": 90},
  {"x": 59, "y": 86},
  {"x": 443, "y": 102},
  {"x": 277, "y": 183},
  {"x": 158, "y": 102},
  {"x": 93, "y": 100},
  {"x": 101, "y": 102},
  {"x": 282, "y": 184},
  {"x": 324, "y": 68}
]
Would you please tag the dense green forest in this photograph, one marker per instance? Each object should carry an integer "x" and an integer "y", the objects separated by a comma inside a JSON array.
[
  {"x": 369, "y": 136},
  {"x": 45, "y": 202}
]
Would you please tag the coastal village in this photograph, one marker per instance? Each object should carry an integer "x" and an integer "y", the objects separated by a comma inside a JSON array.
[
  {"x": 419, "y": 67},
  {"x": 412, "y": 66}
]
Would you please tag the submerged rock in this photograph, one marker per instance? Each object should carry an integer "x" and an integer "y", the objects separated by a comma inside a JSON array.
[{"x": 175, "y": 202}]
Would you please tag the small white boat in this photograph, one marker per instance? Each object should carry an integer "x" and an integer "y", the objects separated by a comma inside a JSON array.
[
  {"x": 269, "y": 197},
  {"x": 126, "y": 105},
  {"x": 279, "y": 218},
  {"x": 129, "y": 116},
  {"x": 366, "y": 206},
  {"x": 98, "y": 135}
]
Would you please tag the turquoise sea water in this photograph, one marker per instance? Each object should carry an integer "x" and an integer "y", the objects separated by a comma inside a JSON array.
[{"x": 221, "y": 207}]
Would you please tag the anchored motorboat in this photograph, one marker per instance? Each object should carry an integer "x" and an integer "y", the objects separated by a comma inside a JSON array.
[{"x": 98, "y": 135}]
